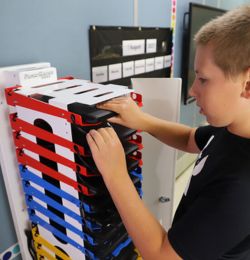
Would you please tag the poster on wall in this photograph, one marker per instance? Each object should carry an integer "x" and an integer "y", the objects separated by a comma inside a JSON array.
[{"x": 118, "y": 54}]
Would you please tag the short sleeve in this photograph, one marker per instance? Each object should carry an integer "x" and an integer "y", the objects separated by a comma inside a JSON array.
[
  {"x": 202, "y": 135},
  {"x": 215, "y": 223}
]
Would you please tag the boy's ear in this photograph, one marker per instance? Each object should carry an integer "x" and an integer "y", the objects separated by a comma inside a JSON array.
[{"x": 246, "y": 90}]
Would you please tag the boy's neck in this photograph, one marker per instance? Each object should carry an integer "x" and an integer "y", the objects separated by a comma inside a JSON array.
[{"x": 242, "y": 129}]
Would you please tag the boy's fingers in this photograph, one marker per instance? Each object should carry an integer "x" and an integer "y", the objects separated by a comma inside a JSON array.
[
  {"x": 97, "y": 138},
  {"x": 110, "y": 106},
  {"x": 111, "y": 132},
  {"x": 92, "y": 144},
  {"x": 113, "y": 103},
  {"x": 108, "y": 134},
  {"x": 114, "y": 119},
  {"x": 104, "y": 133}
]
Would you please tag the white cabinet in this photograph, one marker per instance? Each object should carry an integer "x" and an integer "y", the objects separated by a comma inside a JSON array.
[{"x": 161, "y": 98}]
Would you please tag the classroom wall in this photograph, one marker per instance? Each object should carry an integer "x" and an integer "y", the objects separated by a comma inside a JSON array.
[{"x": 57, "y": 31}]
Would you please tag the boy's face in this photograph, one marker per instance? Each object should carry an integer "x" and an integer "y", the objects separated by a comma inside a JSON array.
[{"x": 218, "y": 97}]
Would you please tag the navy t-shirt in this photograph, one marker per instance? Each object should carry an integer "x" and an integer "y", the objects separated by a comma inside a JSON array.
[{"x": 212, "y": 221}]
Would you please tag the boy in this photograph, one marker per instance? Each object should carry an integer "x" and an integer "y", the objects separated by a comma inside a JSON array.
[{"x": 213, "y": 218}]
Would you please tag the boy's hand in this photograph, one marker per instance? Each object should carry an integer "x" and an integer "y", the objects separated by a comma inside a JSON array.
[
  {"x": 129, "y": 114},
  {"x": 107, "y": 152}
]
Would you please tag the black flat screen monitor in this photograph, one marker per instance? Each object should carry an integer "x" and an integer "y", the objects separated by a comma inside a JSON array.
[{"x": 198, "y": 16}]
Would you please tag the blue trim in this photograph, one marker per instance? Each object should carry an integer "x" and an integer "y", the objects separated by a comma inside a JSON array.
[
  {"x": 138, "y": 173},
  {"x": 29, "y": 176},
  {"x": 33, "y": 205},
  {"x": 34, "y": 192},
  {"x": 37, "y": 220},
  {"x": 31, "y": 191},
  {"x": 117, "y": 251}
]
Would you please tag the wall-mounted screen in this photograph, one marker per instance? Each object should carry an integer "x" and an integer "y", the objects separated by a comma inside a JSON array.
[{"x": 198, "y": 16}]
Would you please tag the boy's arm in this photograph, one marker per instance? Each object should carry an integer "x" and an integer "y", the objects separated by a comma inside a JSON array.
[
  {"x": 173, "y": 134},
  {"x": 147, "y": 234}
]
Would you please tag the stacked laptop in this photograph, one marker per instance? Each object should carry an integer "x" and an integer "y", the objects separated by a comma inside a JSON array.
[{"x": 70, "y": 210}]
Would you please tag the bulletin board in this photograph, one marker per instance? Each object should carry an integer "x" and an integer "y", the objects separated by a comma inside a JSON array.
[{"x": 119, "y": 53}]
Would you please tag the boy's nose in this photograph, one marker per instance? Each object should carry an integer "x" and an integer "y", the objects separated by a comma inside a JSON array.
[{"x": 191, "y": 91}]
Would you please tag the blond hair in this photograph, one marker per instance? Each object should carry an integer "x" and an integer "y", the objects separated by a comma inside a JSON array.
[{"x": 229, "y": 35}]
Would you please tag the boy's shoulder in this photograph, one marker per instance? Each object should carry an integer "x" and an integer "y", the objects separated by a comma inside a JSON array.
[{"x": 204, "y": 133}]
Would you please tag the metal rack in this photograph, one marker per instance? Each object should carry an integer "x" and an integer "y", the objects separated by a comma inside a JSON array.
[{"x": 70, "y": 212}]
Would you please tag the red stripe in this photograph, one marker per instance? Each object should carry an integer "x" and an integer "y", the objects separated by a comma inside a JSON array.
[
  {"x": 27, "y": 160},
  {"x": 21, "y": 125}
]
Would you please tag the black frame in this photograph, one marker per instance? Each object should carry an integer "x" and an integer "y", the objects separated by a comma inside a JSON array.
[{"x": 188, "y": 46}]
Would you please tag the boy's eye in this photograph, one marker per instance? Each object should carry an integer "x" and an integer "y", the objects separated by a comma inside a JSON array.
[{"x": 202, "y": 80}]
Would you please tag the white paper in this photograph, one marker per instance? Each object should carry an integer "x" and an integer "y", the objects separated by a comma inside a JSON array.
[
  {"x": 167, "y": 61},
  {"x": 115, "y": 71},
  {"x": 133, "y": 47},
  {"x": 159, "y": 63},
  {"x": 139, "y": 66},
  {"x": 150, "y": 64},
  {"x": 100, "y": 74},
  {"x": 128, "y": 69},
  {"x": 151, "y": 45}
]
